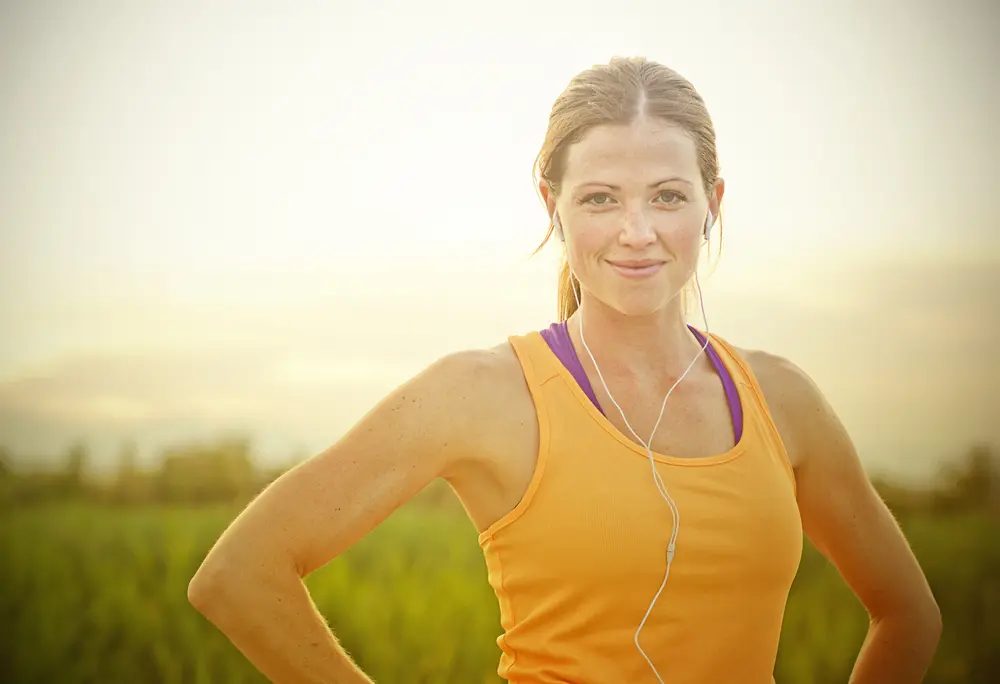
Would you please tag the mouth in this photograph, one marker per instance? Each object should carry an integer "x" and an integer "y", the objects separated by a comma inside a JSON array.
[{"x": 637, "y": 268}]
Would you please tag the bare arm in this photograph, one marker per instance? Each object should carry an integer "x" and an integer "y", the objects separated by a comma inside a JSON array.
[
  {"x": 250, "y": 584},
  {"x": 846, "y": 519}
]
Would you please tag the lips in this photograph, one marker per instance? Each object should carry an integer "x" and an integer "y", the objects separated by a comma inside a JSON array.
[
  {"x": 637, "y": 268},
  {"x": 635, "y": 263}
]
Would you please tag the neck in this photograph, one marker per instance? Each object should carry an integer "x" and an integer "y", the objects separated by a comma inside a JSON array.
[{"x": 657, "y": 345}]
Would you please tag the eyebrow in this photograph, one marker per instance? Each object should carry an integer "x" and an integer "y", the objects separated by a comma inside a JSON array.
[{"x": 672, "y": 179}]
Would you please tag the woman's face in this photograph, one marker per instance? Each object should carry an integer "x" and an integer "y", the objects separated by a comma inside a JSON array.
[{"x": 632, "y": 206}]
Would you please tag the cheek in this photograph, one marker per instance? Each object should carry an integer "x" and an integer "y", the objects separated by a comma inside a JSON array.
[
  {"x": 596, "y": 242},
  {"x": 690, "y": 239},
  {"x": 683, "y": 235},
  {"x": 592, "y": 238}
]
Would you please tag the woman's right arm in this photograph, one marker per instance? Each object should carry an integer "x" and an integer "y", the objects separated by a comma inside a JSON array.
[{"x": 250, "y": 585}]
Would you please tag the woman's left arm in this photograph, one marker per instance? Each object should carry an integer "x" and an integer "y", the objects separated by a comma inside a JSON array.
[{"x": 846, "y": 519}]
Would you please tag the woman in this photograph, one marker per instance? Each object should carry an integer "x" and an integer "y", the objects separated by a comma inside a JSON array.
[{"x": 615, "y": 557}]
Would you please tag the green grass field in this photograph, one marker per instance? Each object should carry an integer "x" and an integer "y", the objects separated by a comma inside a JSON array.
[{"x": 98, "y": 594}]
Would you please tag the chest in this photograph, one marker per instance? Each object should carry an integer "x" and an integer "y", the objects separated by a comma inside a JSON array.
[
  {"x": 697, "y": 419},
  {"x": 737, "y": 522}
]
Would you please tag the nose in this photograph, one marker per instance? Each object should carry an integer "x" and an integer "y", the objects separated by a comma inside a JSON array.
[{"x": 637, "y": 231}]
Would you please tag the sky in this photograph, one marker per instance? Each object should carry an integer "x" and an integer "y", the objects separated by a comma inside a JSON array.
[{"x": 262, "y": 216}]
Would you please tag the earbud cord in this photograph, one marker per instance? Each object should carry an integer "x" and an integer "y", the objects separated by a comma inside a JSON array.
[{"x": 660, "y": 485}]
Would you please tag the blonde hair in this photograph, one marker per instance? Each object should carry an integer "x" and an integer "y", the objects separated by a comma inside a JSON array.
[{"x": 620, "y": 92}]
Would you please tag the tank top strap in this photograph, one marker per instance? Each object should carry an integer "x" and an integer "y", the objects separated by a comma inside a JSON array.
[
  {"x": 741, "y": 368},
  {"x": 537, "y": 361}
]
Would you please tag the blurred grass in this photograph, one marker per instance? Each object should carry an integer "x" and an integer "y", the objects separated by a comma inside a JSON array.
[{"x": 97, "y": 593}]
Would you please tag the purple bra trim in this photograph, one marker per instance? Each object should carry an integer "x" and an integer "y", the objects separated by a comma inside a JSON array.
[{"x": 557, "y": 337}]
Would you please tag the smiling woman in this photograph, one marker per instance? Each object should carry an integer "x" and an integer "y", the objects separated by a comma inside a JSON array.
[{"x": 613, "y": 557}]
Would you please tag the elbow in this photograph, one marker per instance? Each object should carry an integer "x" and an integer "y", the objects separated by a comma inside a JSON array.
[
  {"x": 230, "y": 582},
  {"x": 204, "y": 589},
  {"x": 212, "y": 586},
  {"x": 921, "y": 620},
  {"x": 927, "y": 626},
  {"x": 927, "y": 616},
  {"x": 933, "y": 622}
]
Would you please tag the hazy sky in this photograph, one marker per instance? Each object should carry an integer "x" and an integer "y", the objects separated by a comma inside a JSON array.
[{"x": 264, "y": 215}]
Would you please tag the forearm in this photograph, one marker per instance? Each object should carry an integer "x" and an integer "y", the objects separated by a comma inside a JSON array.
[
  {"x": 897, "y": 650},
  {"x": 273, "y": 621}
]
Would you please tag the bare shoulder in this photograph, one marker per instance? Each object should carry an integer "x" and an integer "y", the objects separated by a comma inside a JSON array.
[
  {"x": 500, "y": 432},
  {"x": 485, "y": 404},
  {"x": 779, "y": 376},
  {"x": 485, "y": 383},
  {"x": 793, "y": 398},
  {"x": 497, "y": 365},
  {"x": 506, "y": 387},
  {"x": 472, "y": 372}
]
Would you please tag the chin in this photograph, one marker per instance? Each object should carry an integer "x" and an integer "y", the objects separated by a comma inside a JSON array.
[{"x": 639, "y": 306}]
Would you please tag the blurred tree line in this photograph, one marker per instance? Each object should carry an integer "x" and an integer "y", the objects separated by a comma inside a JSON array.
[
  {"x": 971, "y": 482},
  {"x": 222, "y": 471},
  {"x": 225, "y": 471}
]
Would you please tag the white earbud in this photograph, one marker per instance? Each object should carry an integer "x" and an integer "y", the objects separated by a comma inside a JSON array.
[
  {"x": 558, "y": 227},
  {"x": 709, "y": 222}
]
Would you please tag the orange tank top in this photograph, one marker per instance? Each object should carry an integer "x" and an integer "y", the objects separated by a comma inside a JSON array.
[{"x": 577, "y": 562}]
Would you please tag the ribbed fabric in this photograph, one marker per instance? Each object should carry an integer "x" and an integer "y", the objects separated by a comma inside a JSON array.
[{"x": 577, "y": 562}]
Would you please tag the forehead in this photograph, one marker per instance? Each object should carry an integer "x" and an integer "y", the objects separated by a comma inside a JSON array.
[{"x": 616, "y": 154}]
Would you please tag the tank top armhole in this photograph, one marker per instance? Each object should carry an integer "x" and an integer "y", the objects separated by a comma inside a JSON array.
[
  {"x": 523, "y": 348},
  {"x": 750, "y": 379}
]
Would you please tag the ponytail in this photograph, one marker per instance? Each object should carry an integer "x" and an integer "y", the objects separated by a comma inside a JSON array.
[{"x": 569, "y": 290}]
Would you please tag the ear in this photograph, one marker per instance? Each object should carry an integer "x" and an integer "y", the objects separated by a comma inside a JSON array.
[
  {"x": 549, "y": 198},
  {"x": 714, "y": 208},
  {"x": 715, "y": 199}
]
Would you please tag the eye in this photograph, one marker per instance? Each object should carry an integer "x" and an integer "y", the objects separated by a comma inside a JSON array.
[
  {"x": 598, "y": 199},
  {"x": 671, "y": 197}
]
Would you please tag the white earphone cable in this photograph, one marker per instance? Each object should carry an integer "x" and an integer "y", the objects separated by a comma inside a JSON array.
[{"x": 657, "y": 479}]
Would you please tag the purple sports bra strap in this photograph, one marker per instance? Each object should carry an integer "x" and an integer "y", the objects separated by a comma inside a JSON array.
[{"x": 557, "y": 337}]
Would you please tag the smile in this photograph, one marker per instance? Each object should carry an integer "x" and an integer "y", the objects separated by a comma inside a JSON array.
[{"x": 637, "y": 269}]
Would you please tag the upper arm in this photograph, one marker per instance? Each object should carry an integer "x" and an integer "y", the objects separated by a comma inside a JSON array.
[
  {"x": 319, "y": 508},
  {"x": 842, "y": 513}
]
